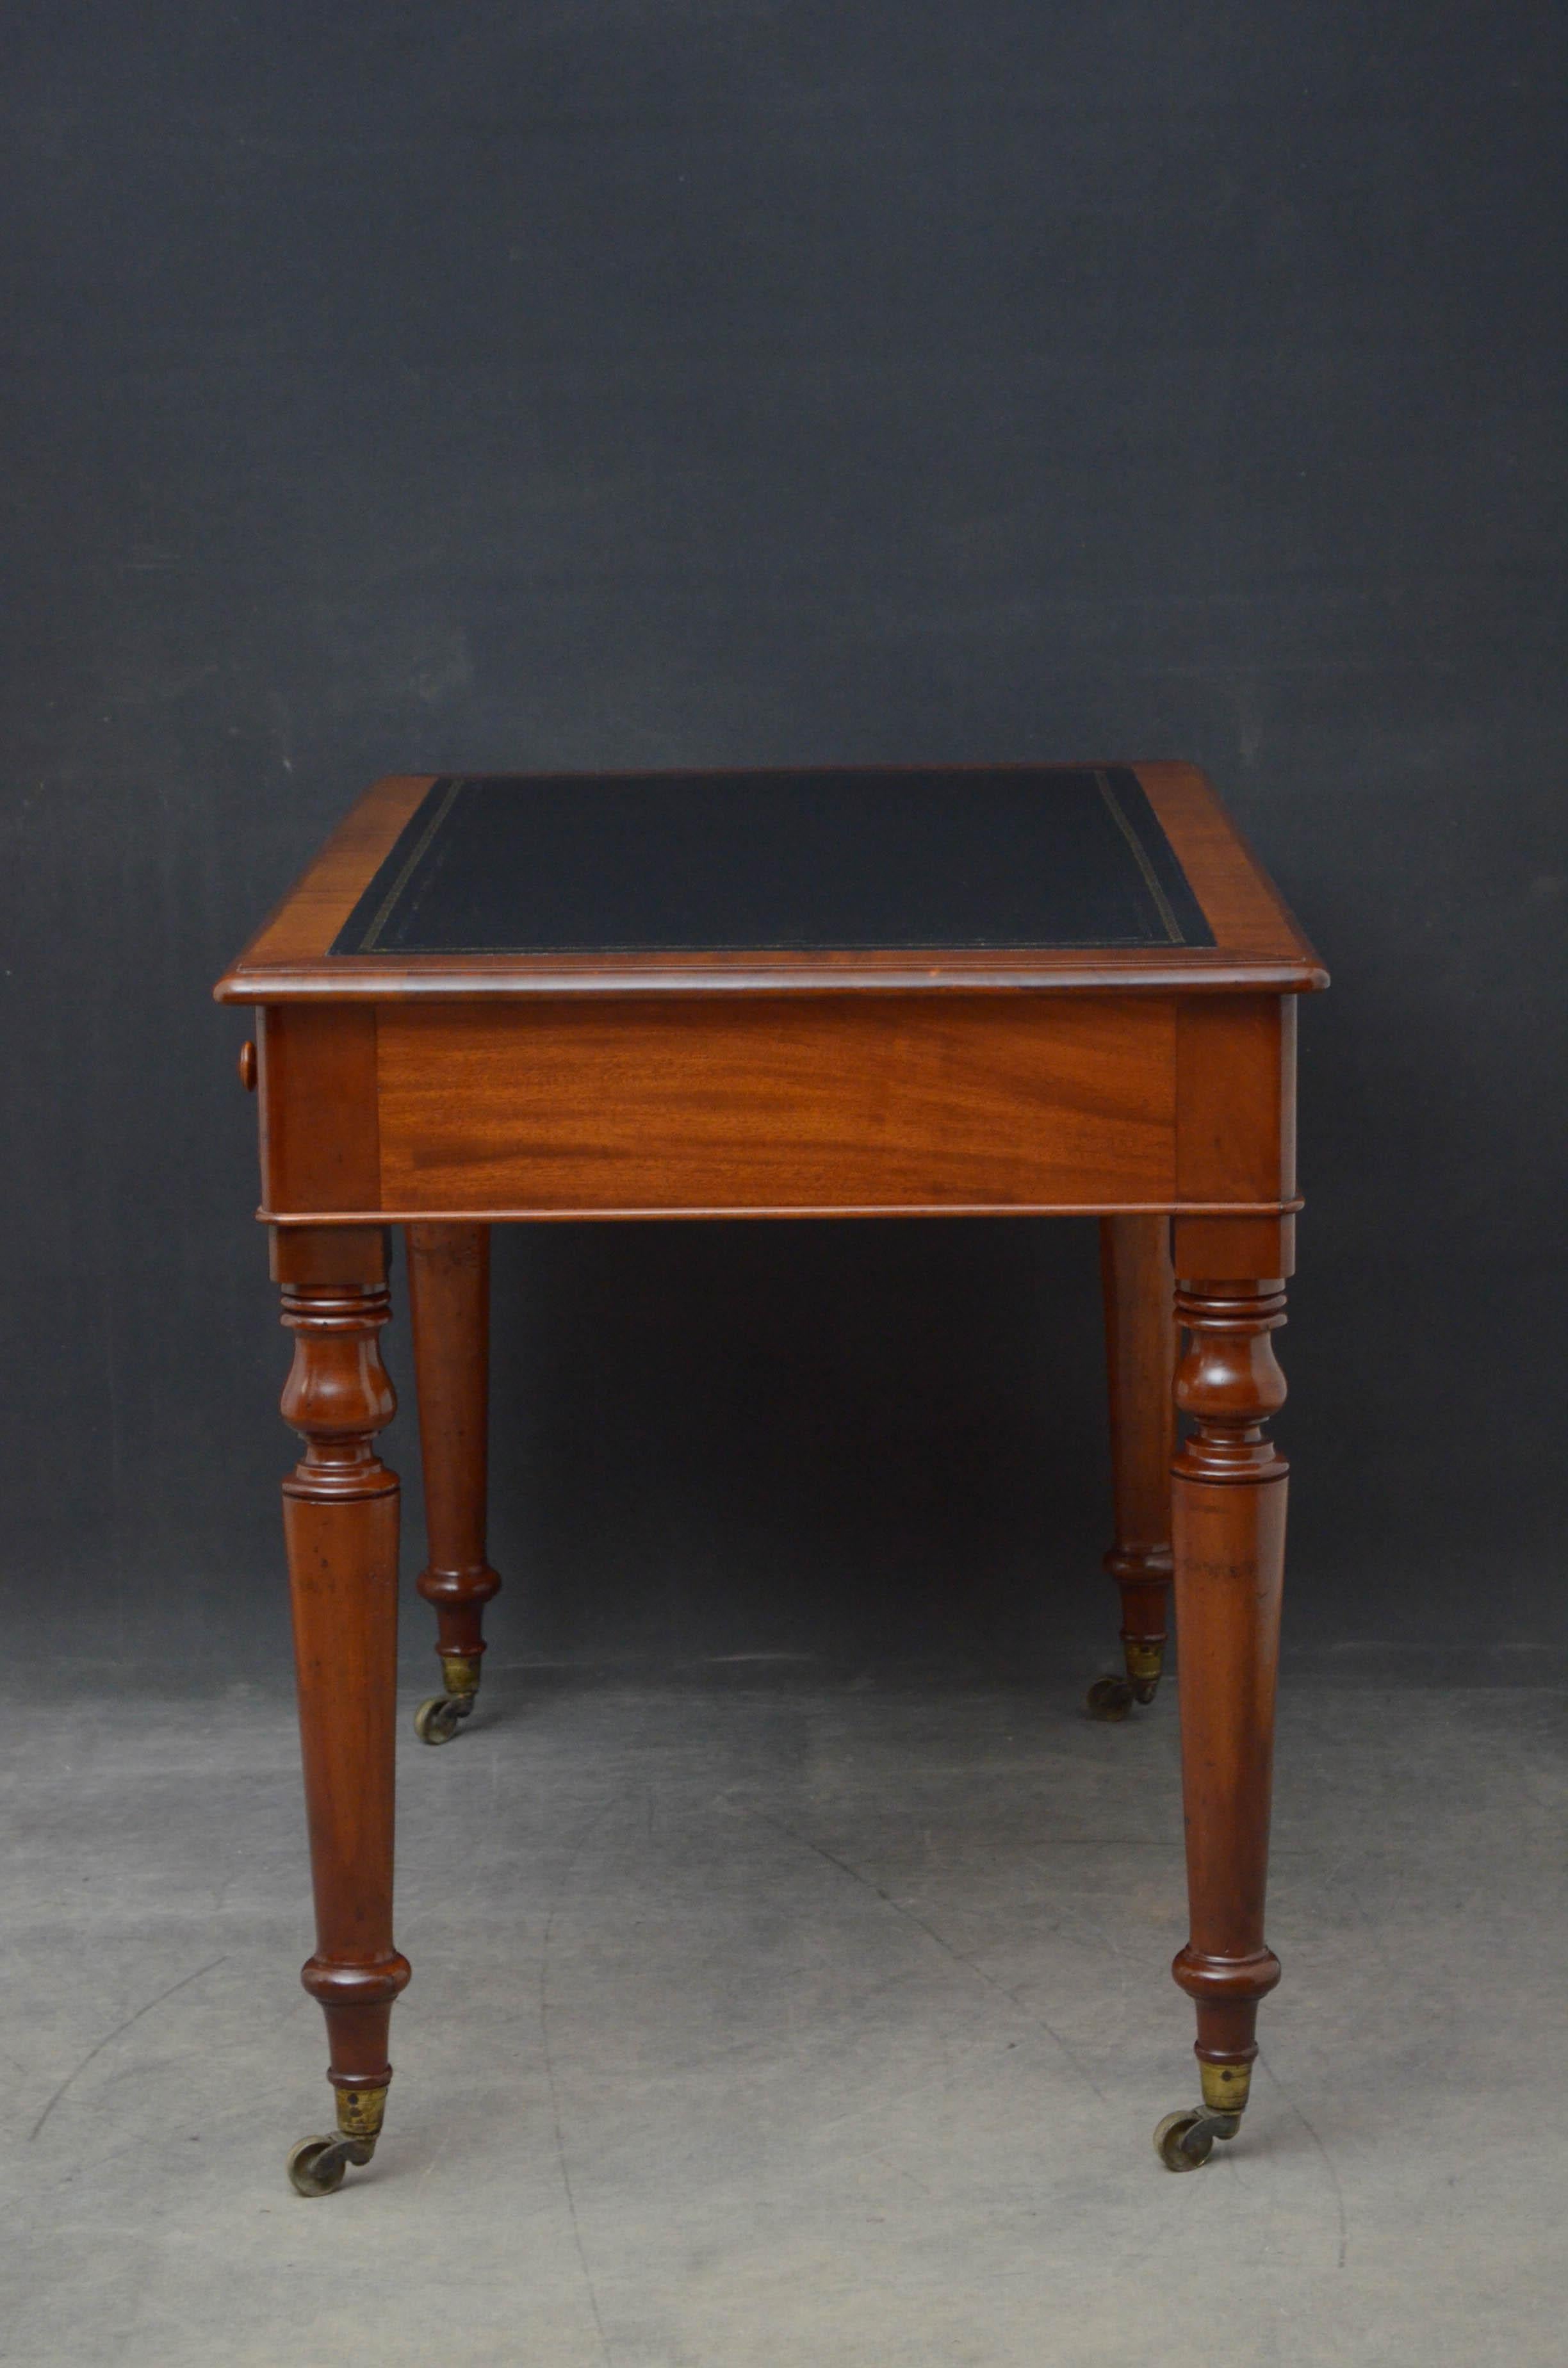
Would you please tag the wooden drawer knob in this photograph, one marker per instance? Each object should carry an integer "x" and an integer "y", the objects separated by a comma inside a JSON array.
[{"x": 247, "y": 1066}]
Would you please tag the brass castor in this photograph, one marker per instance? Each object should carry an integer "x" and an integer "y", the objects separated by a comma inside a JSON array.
[
  {"x": 1112, "y": 1698},
  {"x": 437, "y": 1720},
  {"x": 1143, "y": 1670},
  {"x": 1185, "y": 2141},
  {"x": 316, "y": 2164}
]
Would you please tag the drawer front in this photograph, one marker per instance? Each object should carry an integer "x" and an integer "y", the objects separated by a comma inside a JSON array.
[{"x": 590, "y": 1106}]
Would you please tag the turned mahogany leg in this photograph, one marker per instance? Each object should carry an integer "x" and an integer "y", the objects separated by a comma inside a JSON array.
[
  {"x": 448, "y": 1292},
  {"x": 1230, "y": 1556},
  {"x": 1139, "y": 1333},
  {"x": 340, "y": 1520}
]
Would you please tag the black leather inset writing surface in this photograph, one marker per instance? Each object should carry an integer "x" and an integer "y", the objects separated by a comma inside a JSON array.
[{"x": 709, "y": 863}]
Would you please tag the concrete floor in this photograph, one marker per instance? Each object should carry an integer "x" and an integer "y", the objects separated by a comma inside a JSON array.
[{"x": 792, "y": 2027}]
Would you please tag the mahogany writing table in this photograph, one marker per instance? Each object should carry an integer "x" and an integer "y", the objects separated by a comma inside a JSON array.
[{"x": 1028, "y": 990}]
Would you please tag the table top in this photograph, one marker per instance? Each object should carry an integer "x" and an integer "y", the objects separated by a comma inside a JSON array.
[{"x": 1088, "y": 876}]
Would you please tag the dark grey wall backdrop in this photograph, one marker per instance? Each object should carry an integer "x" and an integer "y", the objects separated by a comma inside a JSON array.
[{"x": 598, "y": 383}]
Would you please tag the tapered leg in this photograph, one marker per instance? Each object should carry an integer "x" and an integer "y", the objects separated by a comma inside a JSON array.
[
  {"x": 1140, "y": 1332},
  {"x": 340, "y": 1520},
  {"x": 449, "y": 1290},
  {"x": 1230, "y": 1556}
]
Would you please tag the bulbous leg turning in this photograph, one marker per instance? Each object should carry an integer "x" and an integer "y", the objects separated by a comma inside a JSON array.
[
  {"x": 340, "y": 1514},
  {"x": 1230, "y": 1553}
]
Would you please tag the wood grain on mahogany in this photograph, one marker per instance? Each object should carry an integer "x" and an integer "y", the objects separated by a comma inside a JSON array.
[
  {"x": 1257, "y": 943},
  {"x": 1236, "y": 1089},
  {"x": 1229, "y": 1537},
  {"x": 636, "y": 1105},
  {"x": 448, "y": 1297},
  {"x": 340, "y": 1520},
  {"x": 1139, "y": 1329},
  {"x": 777, "y": 1103},
  {"x": 320, "y": 1138}
]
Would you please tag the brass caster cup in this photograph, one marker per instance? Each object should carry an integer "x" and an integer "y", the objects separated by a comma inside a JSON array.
[
  {"x": 1145, "y": 1664},
  {"x": 1112, "y": 1698},
  {"x": 316, "y": 2164},
  {"x": 436, "y": 1721},
  {"x": 1185, "y": 2141}
]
